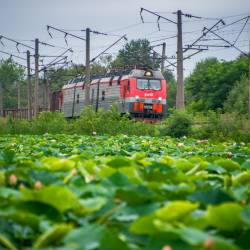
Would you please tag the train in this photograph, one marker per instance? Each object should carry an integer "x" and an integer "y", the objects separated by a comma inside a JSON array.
[{"x": 141, "y": 92}]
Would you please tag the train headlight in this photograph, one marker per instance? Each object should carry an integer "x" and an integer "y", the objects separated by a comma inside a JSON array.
[
  {"x": 160, "y": 99},
  {"x": 137, "y": 98},
  {"x": 148, "y": 73}
]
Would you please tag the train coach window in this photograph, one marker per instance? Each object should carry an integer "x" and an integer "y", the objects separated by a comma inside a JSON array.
[
  {"x": 92, "y": 96},
  {"x": 103, "y": 95},
  {"x": 119, "y": 80},
  {"x": 110, "y": 81}
]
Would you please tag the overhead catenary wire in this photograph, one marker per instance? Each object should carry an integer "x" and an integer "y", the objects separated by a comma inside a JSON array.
[
  {"x": 123, "y": 37},
  {"x": 14, "y": 41},
  {"x": 241, "y": 30},
  {"x": 163, "y": 39},
  {"x": 11, "y": 55},
  {"x": 231, "y": 44},
  {"x": 65, "y": 33},
  {"x": 205, "y": 32},
  {"x": 59, "y": 56}
]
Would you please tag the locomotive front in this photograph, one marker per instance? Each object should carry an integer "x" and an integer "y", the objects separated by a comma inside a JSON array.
[{"x": 145, "y": 95}]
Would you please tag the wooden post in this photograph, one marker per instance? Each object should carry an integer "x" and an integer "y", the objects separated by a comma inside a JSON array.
[{"x": 180, "y": 84}]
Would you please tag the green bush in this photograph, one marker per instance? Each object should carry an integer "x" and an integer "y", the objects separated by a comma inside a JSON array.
[
  {"x": 212, "y": 125},
  {"x": 110, "y": 122},
  {"x": 219, "y": 126},
  {"x": 3, "y": 126},
  {"x": 49, "y": 122},
  {"x": 177, "y": 125},
  {"x": 17, "y": 126}
]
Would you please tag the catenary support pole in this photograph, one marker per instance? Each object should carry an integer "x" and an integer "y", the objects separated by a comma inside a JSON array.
[
  {"x": 1, "y": 99},
  {"x": 87, "y": 70},
  {"x": 18, "y": 95},
  {"x": 249, "y": 78},
  {"x": 163, "y": 56},
  {"x": 180, "y": 84},
  {"x": 36, "y": 93},
  {"x": 154, "y": 60},
  {"x": 29, "y": 87},
  {"x": 47, "y": 91}
]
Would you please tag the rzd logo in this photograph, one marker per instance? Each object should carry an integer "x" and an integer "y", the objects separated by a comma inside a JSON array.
[{"x": 148, "y": 94}]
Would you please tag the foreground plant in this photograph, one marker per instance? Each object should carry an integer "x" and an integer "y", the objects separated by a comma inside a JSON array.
[{"x": 72, "y": 193}]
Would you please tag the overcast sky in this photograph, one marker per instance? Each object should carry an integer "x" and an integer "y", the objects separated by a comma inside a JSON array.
[{"x": 27, "y": 19}]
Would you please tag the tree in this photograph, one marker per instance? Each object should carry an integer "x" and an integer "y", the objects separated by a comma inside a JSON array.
[
  {"x": 208, "y": 86},
  {"x": 10, "y": 73},
  {"x": 237, "y": 100},
  {"x": 171, "y": 88},
  {"x": 59, "y": 77},
  {"x": 136, "y": 52}
]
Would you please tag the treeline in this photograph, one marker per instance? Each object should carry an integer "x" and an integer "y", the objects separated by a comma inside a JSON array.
[{"x": 218, "y": 85}]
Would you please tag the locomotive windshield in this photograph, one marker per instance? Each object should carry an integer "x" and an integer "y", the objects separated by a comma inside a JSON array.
[{"x": 148, "y": 84}]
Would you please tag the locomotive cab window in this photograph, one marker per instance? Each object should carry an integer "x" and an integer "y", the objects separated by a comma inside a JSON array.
[
  {"x": 155, "y": 84},
  {"x": 148, "y": 84}
]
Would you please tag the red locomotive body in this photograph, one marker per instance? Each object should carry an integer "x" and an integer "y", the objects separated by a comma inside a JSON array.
[{"x": 139, "y": 92}]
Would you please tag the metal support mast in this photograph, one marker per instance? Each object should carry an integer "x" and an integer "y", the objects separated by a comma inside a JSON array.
[
  {"x": 29, "y": 87},
  {"x": 36, "y": 94},
  {"x": 180, "y": 83},
  {"x": 87, "y": 70},
  {"x": 163, "y": 57}
]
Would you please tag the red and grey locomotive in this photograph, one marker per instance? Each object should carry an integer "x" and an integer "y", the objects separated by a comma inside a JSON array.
[{"x": 139, "y": 92}]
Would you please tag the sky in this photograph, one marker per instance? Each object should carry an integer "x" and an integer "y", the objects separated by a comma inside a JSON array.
[{"x": 25, "y": 20}]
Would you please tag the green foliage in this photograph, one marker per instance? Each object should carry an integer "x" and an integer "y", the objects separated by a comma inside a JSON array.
[
  {"x": 49, "y": 122},
  {"x": 17, "y": 126},
  {"x": 221, "y": 217},
  {"x": 4, "y": 242},
  {"x": 237, "y": 100},
  {"x": 4, "y": 126},
  {"x": 220, "y": 126},
  {"x": 208, "y": 86},
  {"x": 59, "y": 77},
  {"x": 110, "y": 122},
  {"x": 214, "y": 125},
  {"x": 171, "y": 88},
  {"x": 178, "y": 124},
  {"x": 9, "y": 74},
  {"x": 135, "y": 52},
  {"x": 123, "y": 192}
]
